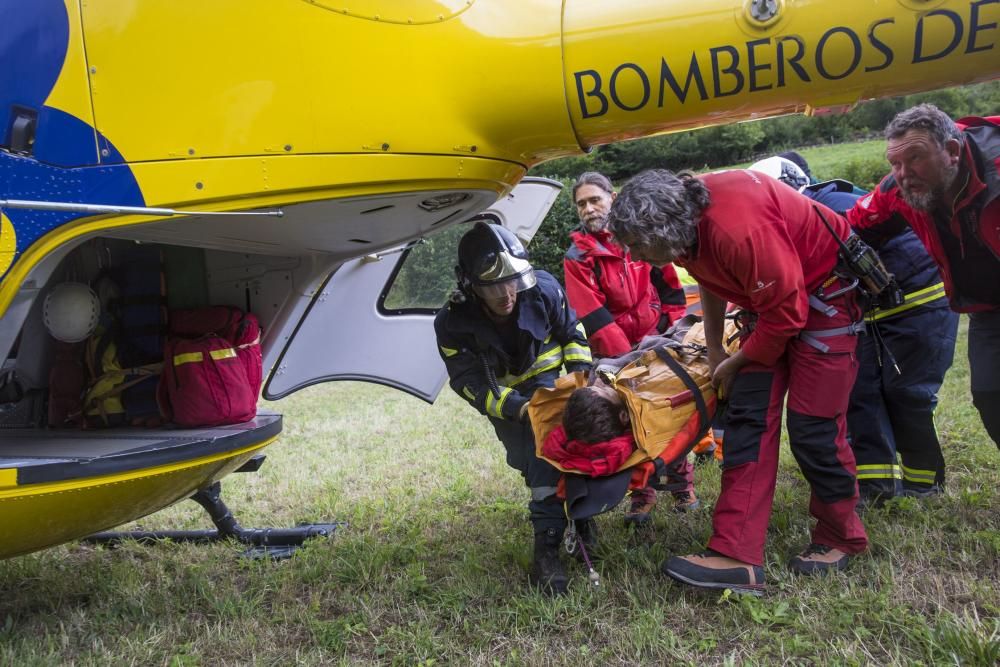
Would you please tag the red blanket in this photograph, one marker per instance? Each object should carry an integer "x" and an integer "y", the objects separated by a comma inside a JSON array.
[{"x": 596, "y": 460}]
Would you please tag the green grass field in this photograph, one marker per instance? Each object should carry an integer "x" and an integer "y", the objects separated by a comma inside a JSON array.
[{"x": 432, "y": 566}]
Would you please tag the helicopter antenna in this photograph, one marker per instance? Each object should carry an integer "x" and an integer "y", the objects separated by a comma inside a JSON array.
[{"x": 111, "y": 208}]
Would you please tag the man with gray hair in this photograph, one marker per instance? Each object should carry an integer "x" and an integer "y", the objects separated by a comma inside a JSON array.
[
  {"x": 945, "y": 184},
  {"x": 752, "y": 241}
]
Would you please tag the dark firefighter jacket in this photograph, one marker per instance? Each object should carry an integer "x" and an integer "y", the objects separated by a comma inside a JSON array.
[
  {"x": 548, "y": 336},
  {"x": 903, "y": 255},
  {"x": 964, "y": 242},
  {"x": 618, "y": 300}
]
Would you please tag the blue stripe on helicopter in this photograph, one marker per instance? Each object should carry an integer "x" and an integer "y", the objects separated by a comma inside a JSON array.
[{"x": 64, "y": 165}]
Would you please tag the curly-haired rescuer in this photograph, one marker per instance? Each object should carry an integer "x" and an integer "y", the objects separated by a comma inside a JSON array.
[{"x": 752, "y": 241}]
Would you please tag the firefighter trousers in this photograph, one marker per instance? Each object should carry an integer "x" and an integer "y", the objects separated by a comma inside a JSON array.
[
  {"x": 984, "y": 364},
  {"x": 545, "y": 510},
  {"x": 902, "y": 363},
  {"x": 818, "y": 384}
]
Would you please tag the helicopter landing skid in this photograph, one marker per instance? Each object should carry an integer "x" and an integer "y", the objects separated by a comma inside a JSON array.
[{"x": 270, "y": 543}]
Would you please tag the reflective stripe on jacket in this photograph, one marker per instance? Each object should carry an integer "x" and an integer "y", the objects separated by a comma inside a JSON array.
[
  {"x": 904, "y": 255},
  {"x": 548, "y": 337}
]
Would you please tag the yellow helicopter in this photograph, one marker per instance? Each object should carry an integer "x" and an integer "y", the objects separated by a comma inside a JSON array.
[{"x": 293, "y": 155}]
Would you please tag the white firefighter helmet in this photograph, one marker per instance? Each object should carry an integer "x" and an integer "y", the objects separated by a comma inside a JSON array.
[
  {"x": 71, "y": 311},
  {"x": 784, "y": 170}
]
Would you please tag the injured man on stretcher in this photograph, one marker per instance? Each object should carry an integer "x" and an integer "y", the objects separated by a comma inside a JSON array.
[{"x": 642, "y": 411}]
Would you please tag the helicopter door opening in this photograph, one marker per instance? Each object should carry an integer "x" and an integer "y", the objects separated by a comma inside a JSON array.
[{"x": 373, "y": 319}]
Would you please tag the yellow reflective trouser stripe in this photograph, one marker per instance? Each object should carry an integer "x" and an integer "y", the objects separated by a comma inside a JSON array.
[
  {"x": 912, "y": 300},
  {"x": 919, "y": 476},
  {"x": 494, "y": 407},
  {"x": 197, "y": 357},
  {"x": 579, "y": 327},
  {"x": 447, "y": 351},
  {"x": 544, "y": 362},
  {"x": 879, "y": 471},
  {"x": 468, "y": 393},
  {"x": 577, "y": 352}
]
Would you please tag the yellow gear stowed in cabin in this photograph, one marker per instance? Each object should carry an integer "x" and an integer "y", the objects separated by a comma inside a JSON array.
[{"x": 104, "y": 403}]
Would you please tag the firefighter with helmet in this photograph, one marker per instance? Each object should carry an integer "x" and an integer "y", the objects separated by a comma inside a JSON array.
[{"x": 507, "y": 331}]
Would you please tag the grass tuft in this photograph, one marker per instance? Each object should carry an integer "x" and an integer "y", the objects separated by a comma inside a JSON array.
[{"x": 431, "y": 568}]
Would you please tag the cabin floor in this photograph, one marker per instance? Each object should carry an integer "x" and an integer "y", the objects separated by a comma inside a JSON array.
[{"x": 48, "y": 455}]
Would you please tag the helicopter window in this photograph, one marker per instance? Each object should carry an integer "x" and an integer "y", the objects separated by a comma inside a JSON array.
[{"x": 426, "y": 275}]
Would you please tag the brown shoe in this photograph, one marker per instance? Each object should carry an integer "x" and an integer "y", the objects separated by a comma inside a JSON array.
[
  {"x": 640, "y": 506},
  {"x": 713, "y": 570},
  {"x": 819, "y": 558},
  {"x": 686, "y": 501}
]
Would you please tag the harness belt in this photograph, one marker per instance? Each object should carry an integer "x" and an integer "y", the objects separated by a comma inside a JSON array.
[
  {"x": 911, "y": 301},
  {"x": 813, "y": 337},
  {"x": 818, "y": 304}
]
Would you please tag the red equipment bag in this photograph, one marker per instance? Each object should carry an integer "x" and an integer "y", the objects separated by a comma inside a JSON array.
[{"x": 212, "y": 367}]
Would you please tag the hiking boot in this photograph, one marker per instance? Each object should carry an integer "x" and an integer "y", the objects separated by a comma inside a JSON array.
[
  {"x": 640, "y": 506},
  {"x": 819, "y": 558},
  {"x": 704, "y": 451},
  {"x": 547, "y": 571},
  {"x": 711, "y": 569},
  {"x": 686, "y": 501},
  {"x": 924, "y": 492},
  {"x": 586, "y": 532}
]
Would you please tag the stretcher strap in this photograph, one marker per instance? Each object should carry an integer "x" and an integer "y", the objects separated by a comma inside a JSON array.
[
  {"x": 661, "y": 470},
  {"x": 699, "y": 400}
]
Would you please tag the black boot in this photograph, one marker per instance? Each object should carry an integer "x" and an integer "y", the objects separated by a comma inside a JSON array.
[{"x": 547, "y": 571}]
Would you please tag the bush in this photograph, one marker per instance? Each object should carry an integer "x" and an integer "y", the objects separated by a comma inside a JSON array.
[
  {"x": 552, "y": 240},
  {"x": 719, "y": 146},
  {"x": 865, "y": 172}
]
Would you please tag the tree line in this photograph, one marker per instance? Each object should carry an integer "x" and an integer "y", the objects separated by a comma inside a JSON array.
[{"x": 740, "y": 143}]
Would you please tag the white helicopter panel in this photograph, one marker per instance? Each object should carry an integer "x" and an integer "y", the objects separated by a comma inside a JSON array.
[{"x": 373, "y": 318}]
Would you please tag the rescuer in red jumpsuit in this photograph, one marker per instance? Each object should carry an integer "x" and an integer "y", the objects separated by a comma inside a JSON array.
[{"x": 752, "y": 241}]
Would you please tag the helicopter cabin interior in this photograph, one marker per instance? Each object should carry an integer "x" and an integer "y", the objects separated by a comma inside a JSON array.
[{"x": 326, "y": 308}]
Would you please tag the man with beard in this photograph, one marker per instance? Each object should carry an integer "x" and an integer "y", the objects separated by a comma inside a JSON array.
[
  {"x": 945, "y": 183},
  {"x": 619, "y": 301}
]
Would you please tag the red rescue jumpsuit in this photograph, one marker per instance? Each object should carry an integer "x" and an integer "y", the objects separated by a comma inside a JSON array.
[{"x": 762, "y": 246}]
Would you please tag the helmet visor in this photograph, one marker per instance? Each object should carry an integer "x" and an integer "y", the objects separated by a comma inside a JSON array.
[{"x": 508, "y": 287}]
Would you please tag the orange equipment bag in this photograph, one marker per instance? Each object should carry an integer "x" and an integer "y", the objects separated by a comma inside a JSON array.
[{"x": 669, "y": 396}]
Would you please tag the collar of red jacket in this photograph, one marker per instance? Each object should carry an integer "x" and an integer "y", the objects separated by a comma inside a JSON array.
[
  {"x": 975, "y": 184},
  {"x": 599, "y": 243}
]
